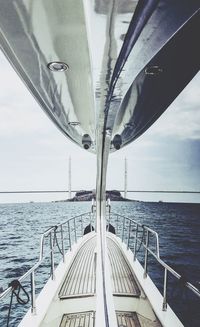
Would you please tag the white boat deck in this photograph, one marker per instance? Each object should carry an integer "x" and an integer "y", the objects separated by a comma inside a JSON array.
[
  {"x": 76, "y": 299},
  {"x": 71, "y": 298}
]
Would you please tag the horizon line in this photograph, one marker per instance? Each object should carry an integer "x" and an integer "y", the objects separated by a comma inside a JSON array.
[{"x": 74, "y": 191}]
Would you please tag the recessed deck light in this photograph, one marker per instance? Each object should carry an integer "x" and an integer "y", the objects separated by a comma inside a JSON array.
[
  {"x": 153, "y": 70},
  {"x": 74, "y": 123},
  {"x": 57, "y": 66}
]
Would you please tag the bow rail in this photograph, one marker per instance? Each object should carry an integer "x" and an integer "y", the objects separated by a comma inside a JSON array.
[
  {"x": 69, "y": 231},
  {"x": 136, "y": 235}
]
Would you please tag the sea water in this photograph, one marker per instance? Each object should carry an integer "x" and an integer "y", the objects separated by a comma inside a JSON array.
[{"x": 178, "y": 226}]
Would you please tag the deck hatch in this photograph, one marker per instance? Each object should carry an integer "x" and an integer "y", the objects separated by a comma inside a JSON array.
[
  {"x": 122, "y": 276},
  {"x": 127, "y": 319},
  {"x": 81, "y": 276},
  {"x": 80, "y": 319}
]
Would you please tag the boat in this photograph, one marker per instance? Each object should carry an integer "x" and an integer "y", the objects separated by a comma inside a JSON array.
[{"x": 104, "y": 72}]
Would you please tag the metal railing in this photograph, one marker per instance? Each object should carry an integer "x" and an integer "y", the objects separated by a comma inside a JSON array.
[
  {"x": 132, "y": 233},
  {"x": 135, "y": 236},
  {"x": 69, "y": 231}
]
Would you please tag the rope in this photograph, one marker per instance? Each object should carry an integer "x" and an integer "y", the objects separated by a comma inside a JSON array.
[
  {"x": 142, "y": 240},
  {"x": 16, "y": 288},
  {"x": 55, "y": 240}
]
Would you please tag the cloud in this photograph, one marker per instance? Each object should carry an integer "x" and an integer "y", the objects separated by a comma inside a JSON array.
[
  {"x": 183, "y": 124},
  {"x": 17, "y": 120},
  {"x": 20, "y": 114},
  {"x": 182, "y": 118}
]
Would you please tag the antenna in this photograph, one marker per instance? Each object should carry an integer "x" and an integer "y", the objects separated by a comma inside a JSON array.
[
  {"x": 125, "y": 178},
  {"x": 69, "y": 179}
]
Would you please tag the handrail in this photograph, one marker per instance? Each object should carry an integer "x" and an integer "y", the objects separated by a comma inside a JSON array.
[
  {"x": 143, "y": 234},
  {"x": 51, "y": 232}
]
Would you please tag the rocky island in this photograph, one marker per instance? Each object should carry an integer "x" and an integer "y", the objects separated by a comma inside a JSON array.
[{"x": 89, "y": 195}]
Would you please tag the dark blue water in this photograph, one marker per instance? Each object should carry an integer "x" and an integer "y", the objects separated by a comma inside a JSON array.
[{"x": 178, "y": 226}]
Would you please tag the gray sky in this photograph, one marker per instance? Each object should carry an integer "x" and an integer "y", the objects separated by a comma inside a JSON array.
[{"x": 34, "y": 153}]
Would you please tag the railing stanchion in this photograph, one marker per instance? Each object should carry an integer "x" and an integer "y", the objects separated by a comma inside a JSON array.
[
  {"x": 146, "y": 254},
  {"x": 69, "y": 235},
  {"x": 129, "y": 234},
  {"x": 75, "y": 231},
  {"x": 52, "y": 257},
  {"x": 117, "y": 225},
  {"x": 62, "y": 240},
  {"x": 135, "y": 243},
  {"x": 164, "y": 307},
  {"x": 94, "y": 221},
  {"x": 90, "y": 222},
  {"x": 33, "y": 302},
  {"x": 123, "y": 229},
  {"x": 108, "y": 215},
  {"x": 82, "y": 224}
]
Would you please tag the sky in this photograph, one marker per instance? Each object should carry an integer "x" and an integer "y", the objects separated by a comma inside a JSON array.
[{"x": 34, "y": 154}]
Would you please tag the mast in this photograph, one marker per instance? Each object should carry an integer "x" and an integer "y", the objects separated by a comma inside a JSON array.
[
  {"x": 125, "y": 178},
  {"x": 69, "y": 178}
]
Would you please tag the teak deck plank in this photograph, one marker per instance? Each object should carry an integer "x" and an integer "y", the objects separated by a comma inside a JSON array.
[
  {"x": 81, "y": 276},
  {"x": 122, "y": 275}
]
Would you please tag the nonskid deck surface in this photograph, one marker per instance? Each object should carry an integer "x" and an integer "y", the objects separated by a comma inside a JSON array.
[
  {"x": 125, "y": 319},
  {"x": 81, "y": 277},
  {"x": 122, "y": 276},
  {"x": 128, "y": 319},
  {"x": 85, "y": 319},
  {"x": 132, "y": 319}
]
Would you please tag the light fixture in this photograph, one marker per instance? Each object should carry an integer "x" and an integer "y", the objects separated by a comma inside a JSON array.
[
  {"x": 86, "y": 141},
  {"x": 57, "y": 66},
  {"x": 117, "y": 141},
  {"x": 74, "y": 123}
]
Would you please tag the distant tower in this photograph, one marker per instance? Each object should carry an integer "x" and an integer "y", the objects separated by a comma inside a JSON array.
[
  {"x": 125, "y": 178},
  {"x": 69, "y": 179}
]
